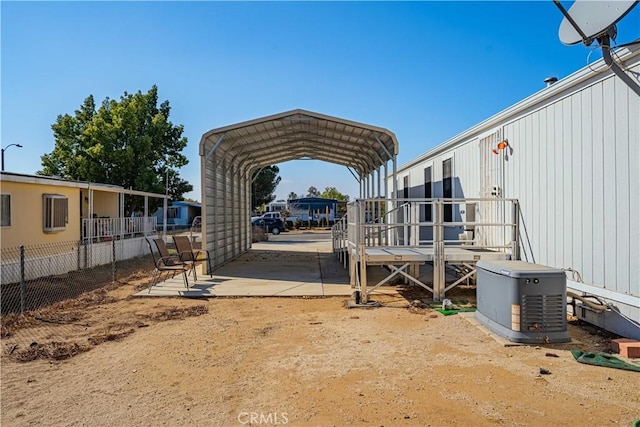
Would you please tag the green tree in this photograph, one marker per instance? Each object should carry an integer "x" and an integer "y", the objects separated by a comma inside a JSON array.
[
  {"x": 292, "y": 196},
  {"x": 130, "y": 143},
  {"x": 264, "y": 184},
  {"x": 333, "y": 193},
  {"x": 313, "y": 192}
]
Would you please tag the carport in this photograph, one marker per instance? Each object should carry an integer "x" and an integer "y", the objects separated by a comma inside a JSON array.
[{"x": 230, "y": 155}]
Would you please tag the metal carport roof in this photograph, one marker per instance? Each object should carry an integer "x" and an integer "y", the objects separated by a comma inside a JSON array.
[
  {"x": 300, "y": 134},
  {"x": 229, "y": 155}
]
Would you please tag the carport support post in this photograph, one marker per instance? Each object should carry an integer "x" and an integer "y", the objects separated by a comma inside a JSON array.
[
  {"x": 375, "y": 190},
  {"x": 394, "y": 196},
  {"x": 387, "y": 203},
  {"x": 232, "y": 190},
  {"x": 368, "y": 187},
  {"x": 364, "y": 187}
]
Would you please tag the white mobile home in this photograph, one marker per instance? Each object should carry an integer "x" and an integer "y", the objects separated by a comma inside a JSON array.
[{"x": 571, "y": 155}]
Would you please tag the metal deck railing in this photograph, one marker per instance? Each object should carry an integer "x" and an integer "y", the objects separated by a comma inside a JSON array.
[{"x": 410, "y": 232}]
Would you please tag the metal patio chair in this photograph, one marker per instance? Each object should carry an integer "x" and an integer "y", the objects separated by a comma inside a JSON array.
[
  {"x": 187, "y": 253},
  {"x": 167, "y": 262}
]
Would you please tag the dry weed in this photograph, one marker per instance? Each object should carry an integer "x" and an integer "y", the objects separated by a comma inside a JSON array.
[
  {"x": 174, "y": 313},
  {"x": 109, "y": 336},
  {"x": 10, "y": 323},
  {"x": 53, "y": 350}
]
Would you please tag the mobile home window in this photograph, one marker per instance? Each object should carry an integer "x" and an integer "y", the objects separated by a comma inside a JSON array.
[
  {"x": 447, "y": 188},
  {"x": 405, "y": 187},
  {"x": 5, "y": 207},
  {"x": 55, "y": 212},
  {"x": 173, "y": 212},
  {"x": 428, "y": 194}
]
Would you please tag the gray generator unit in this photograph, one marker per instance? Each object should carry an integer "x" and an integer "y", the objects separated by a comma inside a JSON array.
[{"x": 526, "y": 303}]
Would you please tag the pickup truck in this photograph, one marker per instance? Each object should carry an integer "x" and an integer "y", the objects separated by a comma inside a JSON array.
[
  {"x": 290, "y": 220},
  {"x": 270, "y": 225},
  {"x": 275, "y": 215}
]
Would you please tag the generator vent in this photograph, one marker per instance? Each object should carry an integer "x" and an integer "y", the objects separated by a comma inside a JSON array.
[{"x": 542, "y": 313}]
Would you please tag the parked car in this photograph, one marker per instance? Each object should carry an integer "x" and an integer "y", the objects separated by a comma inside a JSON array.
[
  {"x": 197, "y": 222},
  {"x": 270, "y": 225},
  {"x": 269, "y": 215}
]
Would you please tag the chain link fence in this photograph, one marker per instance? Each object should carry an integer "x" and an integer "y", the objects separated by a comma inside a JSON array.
[{"x": 40, "y": 275}]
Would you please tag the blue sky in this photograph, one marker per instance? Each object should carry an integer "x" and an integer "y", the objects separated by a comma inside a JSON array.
[{"x": 424, "y": 70}]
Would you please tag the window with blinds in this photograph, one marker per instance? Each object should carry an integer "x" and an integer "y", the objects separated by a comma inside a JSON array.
[
  {"x": 55, "y": 212},
  {"x": 5, "y": 208}
]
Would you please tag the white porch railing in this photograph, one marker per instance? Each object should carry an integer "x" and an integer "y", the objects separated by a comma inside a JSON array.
[{"x": 101, "y": 229}]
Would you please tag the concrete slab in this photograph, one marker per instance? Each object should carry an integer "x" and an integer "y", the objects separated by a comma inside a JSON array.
[
  {"x": 293, "y": 265},
  {"x": 470, "y": 317},
  {"x": 221, "y": 286}
]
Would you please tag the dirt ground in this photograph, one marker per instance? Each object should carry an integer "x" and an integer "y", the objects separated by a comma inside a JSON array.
[{"x": 107, "y": 359}]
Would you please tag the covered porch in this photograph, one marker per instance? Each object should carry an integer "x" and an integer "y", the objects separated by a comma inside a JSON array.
[{"x": 114, "y": 213}]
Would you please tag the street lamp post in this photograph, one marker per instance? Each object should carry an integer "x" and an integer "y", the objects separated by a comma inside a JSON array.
[{"x": 4, "y": 149}]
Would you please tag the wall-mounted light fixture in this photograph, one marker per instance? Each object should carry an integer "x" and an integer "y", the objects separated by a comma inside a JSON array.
[{"x": 501, "y": 146}]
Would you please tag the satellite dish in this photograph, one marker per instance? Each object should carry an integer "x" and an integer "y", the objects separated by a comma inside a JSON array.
[{"x": 587, "y": 20}]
